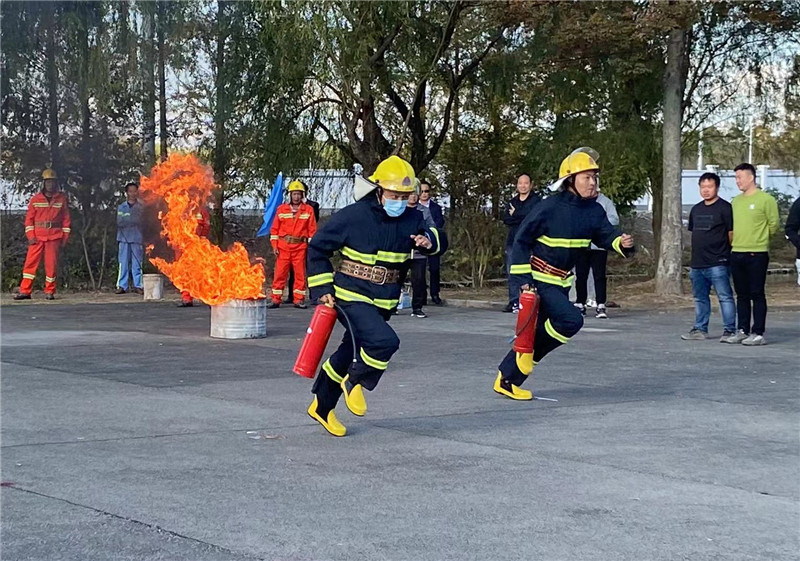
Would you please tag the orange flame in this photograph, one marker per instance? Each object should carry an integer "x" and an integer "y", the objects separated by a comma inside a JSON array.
[{"x": 208, "y": 273}]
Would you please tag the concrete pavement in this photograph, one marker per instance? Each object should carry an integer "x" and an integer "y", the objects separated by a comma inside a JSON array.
[{"x": 127, "y": 433}]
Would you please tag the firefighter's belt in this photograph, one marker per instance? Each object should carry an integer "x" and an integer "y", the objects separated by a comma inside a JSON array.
[
  {"x": 376, "y": 274},
  {"x": 47, "y": 224},
  {"x": 294, "y": 239},
  {"x": 544, "y": 267}
]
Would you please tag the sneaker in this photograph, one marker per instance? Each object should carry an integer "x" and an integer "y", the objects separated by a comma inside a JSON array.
[
  {"x": 725, "y": 335},
  {"x": 509, "y": 308},
  {"x": 418, "y": 314},
  {"x": 754, "y": 340},
  {"x": 120, "y": 290},
  {"x": 601, "y": 312},
  {"x": 49, "y": 296},
  {"x": 183, "y": 304},
  {"x": 138, "y": 290},
  {"x": 515, "y": 308},
  {"x": 272, "y": 305},
  {"x": 581, "y": 307},
  {"x": 22, "y": 296},
  {"x": 301, "y": 305},
  {"x": 437, "y": 301},
  {"x": 694, "y": 335},
  {"x": 737, "y": 337},
  {"x": 591, "y": 303}
]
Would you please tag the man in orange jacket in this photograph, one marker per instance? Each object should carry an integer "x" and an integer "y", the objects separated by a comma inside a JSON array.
[
  {"x": 47, "y": 227},
  {"x": 293, "y": 226},
  {"x": 203, "y": 230}
]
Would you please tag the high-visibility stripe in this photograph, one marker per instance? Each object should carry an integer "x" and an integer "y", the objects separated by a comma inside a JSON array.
[
  {"x": 276, "y": 291},
  {"x": 385, "y": 304},
  {"x": 393, "y": 257},
  {"x": 551, "y": 279},
  {"x": 41, "y": 205},
  {"x": 320, "y": 279},
  {"x": 553, "y": 333},
  {"x": 617, "y": 245},
  {"x": 366, "y": 258},
  {"x": 305, "y": 216},
  {"x": 28, "y": 276},
  {"x": 29, "y": 228},
  {"x": 50, "y": 279},
  {"x": 286, "y": 215},
  {"x": 373, "y": 362},
  {"x": 436, "y": 235},
  {"x": 299, "y": 291},
  {"x": 350, "y": 296},
  {"x": 57, "y": 205},
  {"x": 273, "y": 237},
  {"x": 326, "y": 366},
  {"x": 564, "y": 242},
  {"x": 521, "y": 269},
  {"x": 66, "y": 230}
]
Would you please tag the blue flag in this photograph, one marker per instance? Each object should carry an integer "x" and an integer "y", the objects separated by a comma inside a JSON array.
[{"x": 271, "y": 208}]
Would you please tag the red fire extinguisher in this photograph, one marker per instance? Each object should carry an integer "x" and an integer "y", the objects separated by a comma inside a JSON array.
[
  {"x": 526, "y": 321},
  {"x": 317, "y": 335}
]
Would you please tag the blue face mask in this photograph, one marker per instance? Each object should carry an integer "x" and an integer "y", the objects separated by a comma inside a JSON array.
[{"x": 394, "y": 208}]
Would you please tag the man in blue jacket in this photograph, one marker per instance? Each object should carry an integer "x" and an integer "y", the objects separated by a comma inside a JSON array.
[
  {"x": 129, "y": 237},
  {"x": 375, "y": 237},
  {"x": 545, "y": 250}
]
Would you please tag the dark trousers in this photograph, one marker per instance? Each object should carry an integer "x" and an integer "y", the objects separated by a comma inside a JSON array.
[
  {"x": 419, "y": 290},
  {"x": 435, "y": 267},
  {"x": 376, "y": 342},
  {"x": 749, "y": 271},
  {"x": 596, "y": 260},
  {"x": 558, "y": 321}
]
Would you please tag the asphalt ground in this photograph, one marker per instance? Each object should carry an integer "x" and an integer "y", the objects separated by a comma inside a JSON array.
[{"x": 129, "y": 434}]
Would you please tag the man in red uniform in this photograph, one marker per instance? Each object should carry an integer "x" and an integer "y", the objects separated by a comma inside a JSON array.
[
  {"x": 47, "y": 227},
  {"x": 203, "y": 230},
  {"x": 293, "y": 226}
]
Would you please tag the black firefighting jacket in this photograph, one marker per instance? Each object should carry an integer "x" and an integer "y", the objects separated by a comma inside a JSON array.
[
  {"x": 555, "y": 230},
  {"x": 364, "y": 233}
]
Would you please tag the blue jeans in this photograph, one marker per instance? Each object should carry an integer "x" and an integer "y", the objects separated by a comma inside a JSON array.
[
  {"x": 130, "y": 264},
  {"x": 513, "y": 286},
  {"x": 702, "y": 281}
]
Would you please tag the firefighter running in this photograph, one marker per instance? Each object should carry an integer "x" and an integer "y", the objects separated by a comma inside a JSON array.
[
  {"x": 375, "y": 236},
  {"x": 293, "y": 228},
  {"x": 47, "y": 227},
  {"x": 203, "y": 230},
  {"x": 543, "y": 254}
]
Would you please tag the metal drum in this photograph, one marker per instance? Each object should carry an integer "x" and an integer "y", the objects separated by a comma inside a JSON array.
[{"x": 239, "y": 319}]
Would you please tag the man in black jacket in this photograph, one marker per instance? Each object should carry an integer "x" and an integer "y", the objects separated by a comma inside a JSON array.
[
  {"x": 516, "y": 211},
  {"x": 792, "y": 232},
  {"x": 434, "y": 261}
]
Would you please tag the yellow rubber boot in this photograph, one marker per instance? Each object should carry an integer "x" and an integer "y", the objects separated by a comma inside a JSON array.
[
  {"x": 510, "y": 390},
  {"x": 354, "y": 397},
  {"x": 331, "y": 424}
]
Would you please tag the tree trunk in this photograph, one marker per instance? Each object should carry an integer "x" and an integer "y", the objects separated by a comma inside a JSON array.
[
  {"x": 220, "y": 121},
  {"x": 162, "y": 81},
  {"x": 52, "y": 87},
  {"x": 668, "y": 271},
  {"x": 148, "y": 86}
]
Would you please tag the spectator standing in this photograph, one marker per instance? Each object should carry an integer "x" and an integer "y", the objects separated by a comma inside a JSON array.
[
  {"x": 516, "y": 211},
  {"x": 434, "y": 261},
  {"x": 711, "y": 225},
  {"x": 129, "y": 241},
  {"x": 755, "y": 220},
  {"x": 792, "y": 232},
  {"x": 594, "y": 258},
  {"x": 419, "y": 264}
]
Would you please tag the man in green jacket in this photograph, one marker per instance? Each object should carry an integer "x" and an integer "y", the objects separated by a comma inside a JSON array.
[{"x": 755, "y": 221}]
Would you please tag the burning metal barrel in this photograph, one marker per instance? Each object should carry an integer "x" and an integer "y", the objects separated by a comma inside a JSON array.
[{"x": 239, "y": 319}]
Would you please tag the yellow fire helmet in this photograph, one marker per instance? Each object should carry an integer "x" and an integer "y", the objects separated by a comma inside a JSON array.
[
  {"x": 296, "y": 185},
  {"x": 49, "y": 173},
  {"x": 393, "y": 173},
  {"x": 580, "y": 160}
]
